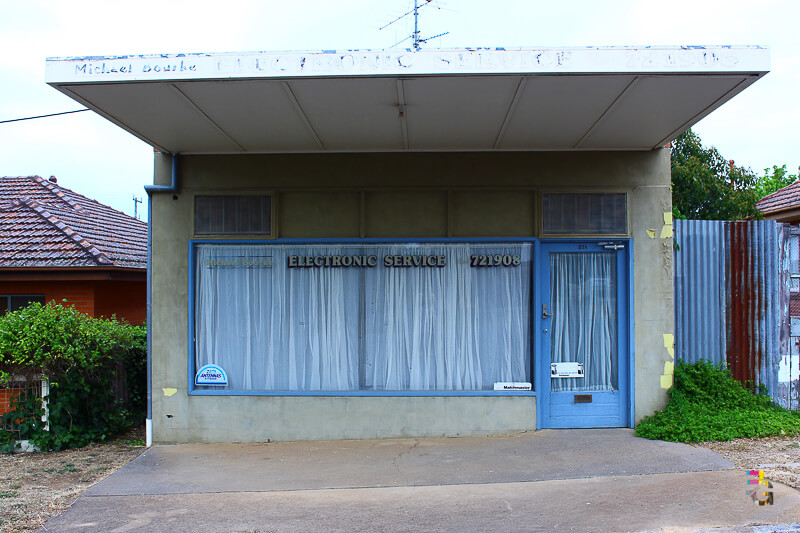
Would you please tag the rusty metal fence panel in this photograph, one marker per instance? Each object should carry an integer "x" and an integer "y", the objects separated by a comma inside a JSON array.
[{"x": 732, "y": 298}]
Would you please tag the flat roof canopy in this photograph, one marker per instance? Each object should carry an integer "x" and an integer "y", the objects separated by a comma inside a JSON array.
[{"x": 615, "y": 98}]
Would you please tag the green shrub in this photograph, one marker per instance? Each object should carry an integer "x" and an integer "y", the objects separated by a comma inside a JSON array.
[
  {"x": 84, "y": 359},
  {"x": 707, "y": 404}
]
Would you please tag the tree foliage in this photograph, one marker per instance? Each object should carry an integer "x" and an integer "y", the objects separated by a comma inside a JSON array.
[
  {"x": 706, "y": 186},
  {"x": 774, "y": 179}
]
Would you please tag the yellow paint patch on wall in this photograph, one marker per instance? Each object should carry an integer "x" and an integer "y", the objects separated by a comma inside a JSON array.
[
  {"x": 669, "y": 366},
  {"x": 666, "y": 230},
  {"x": 651, "y": 233},
  {"x": 169, "y": 391},
  {"x": 669, "y": 344}
]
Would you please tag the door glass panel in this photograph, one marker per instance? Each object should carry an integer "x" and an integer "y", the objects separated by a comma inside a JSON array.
[{"x": 583, "y": 299}]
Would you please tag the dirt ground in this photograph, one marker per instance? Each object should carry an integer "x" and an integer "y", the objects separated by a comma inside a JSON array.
[
  {"x": 778, "y": 457},
  {"x": 35, "y": 487}
]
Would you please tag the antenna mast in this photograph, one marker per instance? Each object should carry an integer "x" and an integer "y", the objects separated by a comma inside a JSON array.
[
  {"x": 415, "y": 37},
  {"x": 416, "y": 25}
]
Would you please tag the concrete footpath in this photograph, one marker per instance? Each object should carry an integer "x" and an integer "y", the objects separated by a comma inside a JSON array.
[{"x": 551, "y": 480}]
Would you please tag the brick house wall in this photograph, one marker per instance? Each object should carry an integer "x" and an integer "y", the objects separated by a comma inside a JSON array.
[
  {"x": 126, "y": 299},
  {"x": 5, "y": 399}
]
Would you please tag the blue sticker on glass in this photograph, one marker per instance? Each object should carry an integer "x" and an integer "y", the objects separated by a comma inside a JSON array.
[{"x": 211, "y": 375}]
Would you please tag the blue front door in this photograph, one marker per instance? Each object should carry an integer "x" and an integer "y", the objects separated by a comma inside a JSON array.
[{"x": 584, "y": 352}]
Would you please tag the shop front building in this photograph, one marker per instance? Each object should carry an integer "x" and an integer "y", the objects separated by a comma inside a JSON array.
[{"x": 380, "y": 244}]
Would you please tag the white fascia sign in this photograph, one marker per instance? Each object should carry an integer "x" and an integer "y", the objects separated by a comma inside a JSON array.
[
  {"x": 211, "y": 375},
  {"x": 576, "y": 60}
]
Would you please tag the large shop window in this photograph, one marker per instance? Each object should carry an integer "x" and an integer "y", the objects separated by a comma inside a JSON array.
[{"x": 358, "y": 317}]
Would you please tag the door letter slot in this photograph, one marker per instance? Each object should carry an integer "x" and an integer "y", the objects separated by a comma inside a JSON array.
[{"x": 583, "y": 398}]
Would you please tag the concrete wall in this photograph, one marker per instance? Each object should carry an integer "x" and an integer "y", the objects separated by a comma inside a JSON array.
[{"x": 395, "y": 195}]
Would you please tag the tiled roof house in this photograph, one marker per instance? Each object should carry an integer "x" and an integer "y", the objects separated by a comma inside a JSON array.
[
  {"x": 783, "y": 205},
  {"x": 56, "y": 244}
]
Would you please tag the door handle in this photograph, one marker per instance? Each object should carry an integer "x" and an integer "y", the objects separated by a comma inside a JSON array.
[{"x": 545, "y": 314}]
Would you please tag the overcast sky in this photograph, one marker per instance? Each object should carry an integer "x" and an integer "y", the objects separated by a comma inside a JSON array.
[{"x": 758, "y": 128}]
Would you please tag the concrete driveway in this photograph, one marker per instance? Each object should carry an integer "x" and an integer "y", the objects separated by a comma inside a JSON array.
[{"x": 551, "y": 480}]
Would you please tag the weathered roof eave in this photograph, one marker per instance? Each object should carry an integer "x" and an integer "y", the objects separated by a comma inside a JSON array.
[{"x": 568, "y": 99}]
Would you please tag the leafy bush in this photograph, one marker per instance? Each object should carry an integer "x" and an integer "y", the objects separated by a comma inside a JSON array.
[
  {"x": 87, "y": 362},
  {"x": 707, "y": 404}
]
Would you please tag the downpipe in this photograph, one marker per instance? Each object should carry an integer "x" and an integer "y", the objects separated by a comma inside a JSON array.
[{"x": 151, "y": 190}]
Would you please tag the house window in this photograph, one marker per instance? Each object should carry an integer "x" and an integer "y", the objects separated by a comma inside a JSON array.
[
  {"x": 232, "y": 215},
  {"x": 585, "y": 213},
  {"x": 15, "y": 302},
  {"x": 364, "y": 317}
]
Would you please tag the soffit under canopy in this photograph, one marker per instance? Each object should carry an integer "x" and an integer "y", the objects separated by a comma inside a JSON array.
[{"x": 615, "y": 98}]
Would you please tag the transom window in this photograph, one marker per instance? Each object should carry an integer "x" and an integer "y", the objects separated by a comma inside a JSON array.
[
  {"x": 232, "y": 215},
  {"x": 584, "y": 213}
]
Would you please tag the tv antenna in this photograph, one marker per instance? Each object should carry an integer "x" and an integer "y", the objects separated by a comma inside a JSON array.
[
  {"x": 415, "y": 37},
  {"x": 136, "y": 202}
]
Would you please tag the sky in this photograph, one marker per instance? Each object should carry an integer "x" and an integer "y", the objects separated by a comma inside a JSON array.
[{"x": 758, "y": 128}]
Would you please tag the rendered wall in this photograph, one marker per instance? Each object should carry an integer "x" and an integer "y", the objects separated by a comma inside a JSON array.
[{"x": 396, "y": 195}]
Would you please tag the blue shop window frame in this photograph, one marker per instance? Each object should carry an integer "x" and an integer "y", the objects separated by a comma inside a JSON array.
[
  {"x": 428, "y": 393},
  {"x": 627, "y": 328}
]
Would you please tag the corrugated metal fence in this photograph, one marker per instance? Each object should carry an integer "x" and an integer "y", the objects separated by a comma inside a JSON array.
[{"x": 732, "y": 291}]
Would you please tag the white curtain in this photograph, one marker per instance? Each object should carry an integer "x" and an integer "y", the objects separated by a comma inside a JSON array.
[
  {"x": 456, "y": 327},
  {"x": 583, "y": 296},
  {"x": 275, "y": 328}
]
